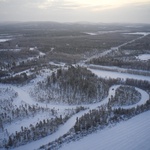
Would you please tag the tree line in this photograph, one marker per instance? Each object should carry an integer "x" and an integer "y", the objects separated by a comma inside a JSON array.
[
  {"x": 124, "y": 96},
  {"x": 42, "y": 129},
  {"x": 120, "y": 62}
]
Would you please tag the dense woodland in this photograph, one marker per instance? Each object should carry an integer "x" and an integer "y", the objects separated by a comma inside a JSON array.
[
  {"x": 42, "y": 128},
  {"x": 18, "y": 79},
  {"x": 141, "y": 44},
  {"x": 12, "y": 113},
  {"x": 70, "y": 41},
  {"x": 106, "y": 115},
  {"x": 60, "y": 42},
  {"x": 75, "y": 85},
  {"x": 125, "y": 96},
  {"x": 122, "y": 62}
]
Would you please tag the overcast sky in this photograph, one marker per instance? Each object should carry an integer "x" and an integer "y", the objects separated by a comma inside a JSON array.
[{"x": 128, "y": 11}]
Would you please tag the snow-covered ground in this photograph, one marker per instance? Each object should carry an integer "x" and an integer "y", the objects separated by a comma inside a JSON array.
[
  {"x": 102, "y": 32},
  {"x": 13, "y": 127},
  {"x": 115, "y": 75},
  {"x": 144, "y": 98},
  {"x": 133, "y": 134},
  {"x": 7, "y": 93},
  {"x": 144, "y": 57},
  {"x": 4, "y": 40},
  {"x": 60, "y": 64},
  {"x": 115, "y": 68},
  {"x": 139, "y": 33}
]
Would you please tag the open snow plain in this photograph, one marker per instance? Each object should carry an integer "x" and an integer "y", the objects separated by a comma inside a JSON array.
[{"x": 115, "y": 75}]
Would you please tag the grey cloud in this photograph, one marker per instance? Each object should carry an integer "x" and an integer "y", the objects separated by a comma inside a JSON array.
[
  {"x": 57, "y": 4},
  {"x": 62, "y": 10}
]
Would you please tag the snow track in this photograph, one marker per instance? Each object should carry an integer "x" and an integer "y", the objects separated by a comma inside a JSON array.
[{"x": 115, "y": 75}]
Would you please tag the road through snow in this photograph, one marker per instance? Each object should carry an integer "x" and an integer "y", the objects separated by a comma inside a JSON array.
[{"x": 115, "y": 75}]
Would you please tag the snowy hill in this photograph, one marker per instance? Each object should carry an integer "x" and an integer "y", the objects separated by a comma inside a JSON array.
[{"x": 133, "y": 134}]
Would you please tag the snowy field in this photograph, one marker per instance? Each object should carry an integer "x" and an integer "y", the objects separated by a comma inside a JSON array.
[
  {"x": 115, "y": 75},
  {"x": 144, "y": 57},
  {"x": 102, "y": 32},
  {"x": 139, "y": 33},
  {"x": 133, "y": 134},
  {"x": 4, "y": 40},
  {"x": 13, "y": 127}
]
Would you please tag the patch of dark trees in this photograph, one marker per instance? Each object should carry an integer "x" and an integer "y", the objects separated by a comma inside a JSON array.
[
  {"x": 75, "y": 85},
  {"x": 3, "y": 73},
  {"x": 110, "y": 61},
  {"x": 125, "y": 96},
  {"x": 139, "y": 44},
  {"x": 11, "y": 113},
  {"x": 41, "y": 129},
  {"x": 18, "y": 79},
  {"x": 11, "y": 56}
]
